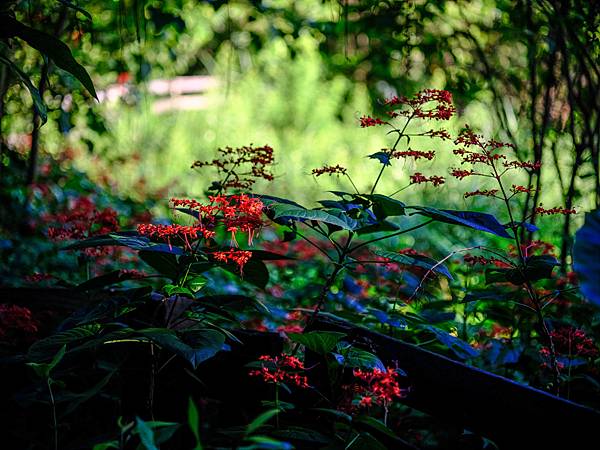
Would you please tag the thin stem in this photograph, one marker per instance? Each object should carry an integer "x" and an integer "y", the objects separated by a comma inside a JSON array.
[
  {"x": 54, "y": 419},
  {"x": 356, "y": 247}
]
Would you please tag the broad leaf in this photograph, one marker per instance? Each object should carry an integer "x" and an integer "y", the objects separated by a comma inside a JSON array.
[
  {"x": 476, "y": 220},
  {"x": 459, "y": 347},
  {"x": 38, "y": 102},
  {"x": 384, "y": 206},
  {"x": 295, "y": 213},
  {"x": 52, "y": 47},
  {"x": 586, "y": 256},
  {"x": 320, "y": 342}
]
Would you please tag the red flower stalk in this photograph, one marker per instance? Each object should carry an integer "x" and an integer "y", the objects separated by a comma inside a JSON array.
[
  {"x": 484, "y": 193},
  {"x": 280, "y": 369},
  {"x": 520, "y": 189},
  {"x": 429, "y": 155},
  {"x": 241, "y": 166},
  {"x": 460, "y": 174},
  {"x": 239, "y": 257},
  {"x": 556, "y": 210},
  {"x": 17, "y": 324},
  {"x": 419, "y": 178},
  {"x": 523, "y": 165},
  {"x": 367, "y": 121},
  {"x": 329, "y": 170},
  {"x": 441, "y": 110},
  {"x": 83, "y": 220},
  {"x": 571, "y": 342}
]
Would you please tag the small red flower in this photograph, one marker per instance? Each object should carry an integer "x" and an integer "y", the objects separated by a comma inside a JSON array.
[
  {"x": 281, "y": 369},
  {"x": 367, "y": 121},
  {"x": 419, "y": 178}
]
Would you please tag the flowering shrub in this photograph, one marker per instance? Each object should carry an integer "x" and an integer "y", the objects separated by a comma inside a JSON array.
[{"x": 497, "y": 304}]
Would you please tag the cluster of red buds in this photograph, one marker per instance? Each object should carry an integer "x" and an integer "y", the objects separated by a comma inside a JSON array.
[
  {"x": 419, "y": 106},
  {"x": 331, "y": 170},
  {"x": 482, "y": 193},
  {"x": 570, "y": 343},
  {"x": 239, "y": 257},
  {"x": 17, "y": 324},
  {"x": 379, "y": 387},
  {"x": 419, "y": 178},
  {"x": 368, "y": 121},
  {"x": 236, "y": 213},
  {"x": 281, "y": 369},
  {"x": 473, "y": 260},
  {"x": 556, "y": 210},
  {"x": 417, "y": 154},
  {"x": 82, "y": 220},
  {"x": 241, "y": 167}
]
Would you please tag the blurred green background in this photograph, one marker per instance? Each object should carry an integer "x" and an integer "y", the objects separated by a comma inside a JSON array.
[{"x": 297, "y": 75}]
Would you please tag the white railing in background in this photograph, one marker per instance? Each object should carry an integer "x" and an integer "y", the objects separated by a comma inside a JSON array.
[{"x": 176, "y": 94}]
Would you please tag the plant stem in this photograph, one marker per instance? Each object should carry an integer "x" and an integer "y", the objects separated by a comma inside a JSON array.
[{"x": 54, "y": 419}]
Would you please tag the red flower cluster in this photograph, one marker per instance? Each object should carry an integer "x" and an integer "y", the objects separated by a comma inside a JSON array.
[
  {"x": 520, "y": 189},
  {"x": 429, "y": 155},
  {"x": 379, "y": 387},
  {"x": 280, "y": 369},
  {"x": 484, "y": 193},
  {"x": 240, "y": 257},
  {"x": 235, "y": 212},
  {"x": 187, "y": 233},
  {"x": 460, "y": 174},
  {"x": 556, "y": 210},
  {"x": 523, "y": 165},
  {"x": 473, "y": 260},
  {"x": 368, "y": 121},
  {"x": 442, "y": 110},
  {"x": 570, "y": 342},
  {"x": 83, "y": 220},
  {"x": 329, "y": 170},
  {"x": 233, "y": 165},
  {"x": 38, "y": 277},
  {"x": 419, "y": 178},
  {"x": 441, "y": 134},
  {"x": 17, "y": 324}
]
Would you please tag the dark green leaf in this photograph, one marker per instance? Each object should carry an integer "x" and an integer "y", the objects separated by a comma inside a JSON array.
[
  {"x": 52, "y": 47},
  {"x": 294, "y": 213},
  {"x": 586, "y": 256},
  {"x": 476, "y": 220},
  {"x": 38, "y": 102},
  {"x": 320, "y": 342}
]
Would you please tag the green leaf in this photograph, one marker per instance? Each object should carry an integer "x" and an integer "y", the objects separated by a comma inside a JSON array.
[
  {"x": 38, "y": 102},
  {"x": 43, "y": 370},
  {"x": 164, "y": 263},
  {"x": 294, "y": 213},
  {"x": 195, "y": 346},
  {"x": 42, "y": 349},
  {"x": 267, "y": 443},
  {"x": 374, "y": 424},
  {"x": 459, "y": 347},
  {"x": 384, "y": 206},
  {"x": 194, "y": 423},
  {"x": 355, "y": 357},
  {"x": 476, "y": 220},
  {"x": 108, "y": 279},
  {"x": 320, "y": 342},
  {"x": 146, "y": 434},
  {"x": 129, "y": 239},
  {"x": 585, "y": 256},
  {"x": 417, "y": 261},
  {"x": 335, "y": 413},
  {"x": 196, "y": 283},
  {"x": 261, "y": 420},
  {"x": 537, "y": 267},
  {"x": 172, "y": 289},
  {"x": 52, "y": 47}
]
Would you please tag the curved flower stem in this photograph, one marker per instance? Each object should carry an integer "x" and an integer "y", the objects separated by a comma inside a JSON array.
[{"x": 528, "y": 285}]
